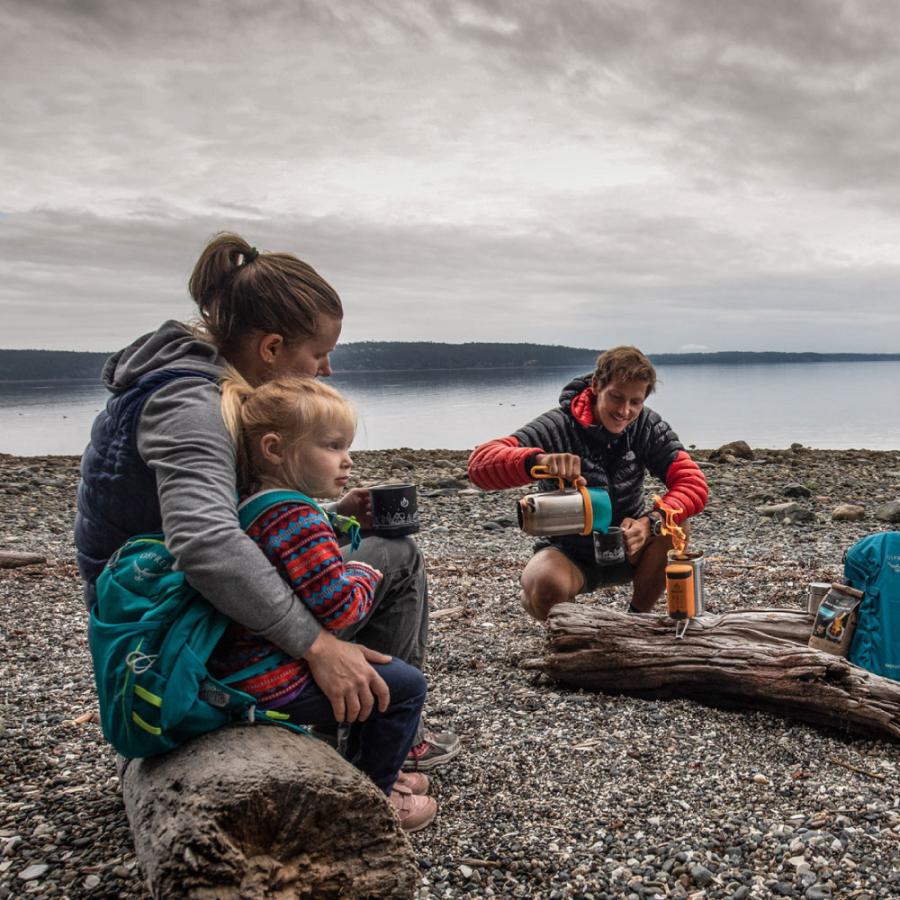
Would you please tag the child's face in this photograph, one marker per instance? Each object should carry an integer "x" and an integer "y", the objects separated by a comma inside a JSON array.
[{"x": 322, "y": 463}]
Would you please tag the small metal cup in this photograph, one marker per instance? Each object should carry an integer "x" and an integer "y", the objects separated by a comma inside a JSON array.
[
  {"x": 394, "y": 510},
  {"x": 817, "y": 590},
  {"x": 609, "y": 547}
]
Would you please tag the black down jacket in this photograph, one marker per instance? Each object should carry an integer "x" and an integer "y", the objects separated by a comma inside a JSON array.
[{"x": 616, "y": 462}]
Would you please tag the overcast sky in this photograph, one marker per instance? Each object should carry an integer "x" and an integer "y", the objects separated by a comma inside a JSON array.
[{"x": 678, "y": 174}]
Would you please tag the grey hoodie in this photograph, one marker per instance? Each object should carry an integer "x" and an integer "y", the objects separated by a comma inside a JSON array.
[{"x": 183, "y": 439}]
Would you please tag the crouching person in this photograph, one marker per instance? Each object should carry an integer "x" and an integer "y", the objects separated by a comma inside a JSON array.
[{"x": 601, "y": 435}]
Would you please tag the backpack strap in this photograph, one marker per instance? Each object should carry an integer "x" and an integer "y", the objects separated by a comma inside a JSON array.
[{"x": 262, "y": 501}]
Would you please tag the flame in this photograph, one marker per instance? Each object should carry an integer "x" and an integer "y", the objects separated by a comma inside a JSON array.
[{"x": 671, "y": 527}]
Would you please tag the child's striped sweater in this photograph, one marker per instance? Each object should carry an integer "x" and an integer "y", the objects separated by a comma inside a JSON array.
[{"x": 300, "y": 542}]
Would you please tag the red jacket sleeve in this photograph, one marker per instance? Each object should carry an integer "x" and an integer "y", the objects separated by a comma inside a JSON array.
[
  {"x": 500, "y": 464},
  {"x": 686, "y": 487}
]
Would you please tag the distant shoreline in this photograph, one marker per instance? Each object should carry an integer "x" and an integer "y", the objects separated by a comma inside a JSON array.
[{"x": 84, "y": 360}]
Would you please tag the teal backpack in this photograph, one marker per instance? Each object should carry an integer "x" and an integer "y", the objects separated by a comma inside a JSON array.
[
  {"x": 150, "y": 637},
  {"x": 872, "y": 565}
]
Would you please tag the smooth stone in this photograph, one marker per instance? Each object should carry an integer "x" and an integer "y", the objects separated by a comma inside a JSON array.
[
  {"x": 848, "y": 512},
  {"x": 789, "y": 513},
  {"x": 888, "y": 512},
  {"x": 818, "y": 892},
  {"x": 734, "y": 449},
  {"x": 34, "y": 871}
]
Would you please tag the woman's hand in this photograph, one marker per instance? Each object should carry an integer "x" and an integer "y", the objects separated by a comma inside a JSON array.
[
  {"x": 357, "y": 502},
  {"x": 344, "y": 673},
  {"x": 636, "y": 534},
  {"x": 565, "y": 465}
]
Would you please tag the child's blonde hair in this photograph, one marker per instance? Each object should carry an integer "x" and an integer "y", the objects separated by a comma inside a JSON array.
[{"x": 292, "y": 406}]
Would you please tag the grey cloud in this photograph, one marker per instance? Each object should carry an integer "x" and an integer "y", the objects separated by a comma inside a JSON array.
[
  {"x": 402, "y": 151},
  {"x": 121, "y": 277}
]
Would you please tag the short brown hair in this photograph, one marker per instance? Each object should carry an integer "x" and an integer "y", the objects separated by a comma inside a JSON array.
[{"x": 624, "y": 364}]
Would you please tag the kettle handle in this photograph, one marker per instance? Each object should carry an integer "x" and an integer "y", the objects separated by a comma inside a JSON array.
[{"x": 541, "y": 472}]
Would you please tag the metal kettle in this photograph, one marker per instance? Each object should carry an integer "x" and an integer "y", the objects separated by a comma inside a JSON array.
[{"x": 575, "y": 510}]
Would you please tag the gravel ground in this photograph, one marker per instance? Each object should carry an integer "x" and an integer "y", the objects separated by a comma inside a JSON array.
[{"x": 557, "y": 793}]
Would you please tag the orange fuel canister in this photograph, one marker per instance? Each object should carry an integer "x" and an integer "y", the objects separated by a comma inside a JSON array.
[{"x": 680, "y": 590}]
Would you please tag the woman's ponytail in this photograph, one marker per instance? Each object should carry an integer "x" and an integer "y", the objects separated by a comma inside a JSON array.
[
  {"x": 221, "y": 258},
  {"x": 239, "y": 290}
]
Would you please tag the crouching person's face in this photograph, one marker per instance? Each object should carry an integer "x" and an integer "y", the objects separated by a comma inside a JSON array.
[{"x": 619, "y": 403}]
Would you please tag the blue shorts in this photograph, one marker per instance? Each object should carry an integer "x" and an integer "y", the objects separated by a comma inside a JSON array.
[{"x": 593, "y": 576}]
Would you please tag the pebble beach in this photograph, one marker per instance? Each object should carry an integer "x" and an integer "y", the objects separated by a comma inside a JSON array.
[{"x": 556, "y": 793}]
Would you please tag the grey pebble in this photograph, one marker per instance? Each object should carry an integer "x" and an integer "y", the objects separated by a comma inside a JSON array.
[{"x": 33, "y": 871}]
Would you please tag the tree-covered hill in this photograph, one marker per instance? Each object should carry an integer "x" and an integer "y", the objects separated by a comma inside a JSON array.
[{"x": 383, "y": 356}]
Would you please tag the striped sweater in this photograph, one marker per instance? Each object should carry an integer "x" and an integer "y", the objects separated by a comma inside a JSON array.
[{"x": 300, "y": 542}]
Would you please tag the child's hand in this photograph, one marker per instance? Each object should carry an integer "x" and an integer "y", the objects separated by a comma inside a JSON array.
[{"x": 358, "y": 503}]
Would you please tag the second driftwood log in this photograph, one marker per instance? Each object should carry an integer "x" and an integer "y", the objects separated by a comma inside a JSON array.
[{"x": 755, "y": 658}]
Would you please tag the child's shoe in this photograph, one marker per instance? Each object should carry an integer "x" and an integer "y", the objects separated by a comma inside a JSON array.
[
  {"x": 415, "y": 781},
  {"x": 436, "y": 749},
  {"x": 414, "y": 811}
]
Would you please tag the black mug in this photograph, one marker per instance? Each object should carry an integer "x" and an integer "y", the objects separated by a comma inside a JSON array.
[
  {"x": 394, "y": 510},
  {"x": 609, "y": 547}
]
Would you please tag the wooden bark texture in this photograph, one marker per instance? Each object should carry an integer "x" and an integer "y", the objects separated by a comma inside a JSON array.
[
  {"x": 13, "y": 559},
  {"x": 753, "y": 657},
  {"x": 260, "y": 812}
]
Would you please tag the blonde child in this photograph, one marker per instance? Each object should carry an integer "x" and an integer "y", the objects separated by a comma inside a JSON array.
[{"x": 293, "y": 434}]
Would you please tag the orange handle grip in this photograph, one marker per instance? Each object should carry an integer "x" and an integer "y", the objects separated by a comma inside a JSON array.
[{"x": 542, "y": 472}]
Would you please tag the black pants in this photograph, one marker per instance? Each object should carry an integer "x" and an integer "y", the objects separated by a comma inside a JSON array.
[{"x": 397, "y": 623}]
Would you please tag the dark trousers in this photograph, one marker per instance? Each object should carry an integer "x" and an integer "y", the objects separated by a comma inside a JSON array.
[
  {"x": 397, "y": 623},
  {"x": 379, "y": 745}
]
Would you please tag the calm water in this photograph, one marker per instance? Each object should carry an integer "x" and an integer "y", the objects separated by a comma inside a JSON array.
[{"x": 829, "y": 405}]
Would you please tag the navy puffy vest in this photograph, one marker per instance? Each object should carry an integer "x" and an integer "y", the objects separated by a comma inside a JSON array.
[{"x": 117, "y": 496}]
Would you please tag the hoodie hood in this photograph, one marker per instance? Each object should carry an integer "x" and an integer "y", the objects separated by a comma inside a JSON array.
[
  {"x": 172, "y": 345},
  {"x": 575, "y": 387}
]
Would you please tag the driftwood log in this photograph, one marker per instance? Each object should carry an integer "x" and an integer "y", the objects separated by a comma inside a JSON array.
[
  {"x": 747, "y": 658},
  {"x": 259, "y": 812},
  {"x": 13, "y": 559}
]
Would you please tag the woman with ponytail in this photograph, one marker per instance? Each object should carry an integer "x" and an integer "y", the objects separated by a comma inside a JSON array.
[{"x": 161, "y": 459}]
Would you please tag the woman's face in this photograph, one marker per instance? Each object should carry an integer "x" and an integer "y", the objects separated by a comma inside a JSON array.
[
  {"x": 308, "y": 356},
  {"x": 619, "y": 403}
]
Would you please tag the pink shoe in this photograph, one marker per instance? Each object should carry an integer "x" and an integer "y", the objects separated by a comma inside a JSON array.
[
  {"x": 415, "y": 781},
  {"x": 414, "y": 811}
]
